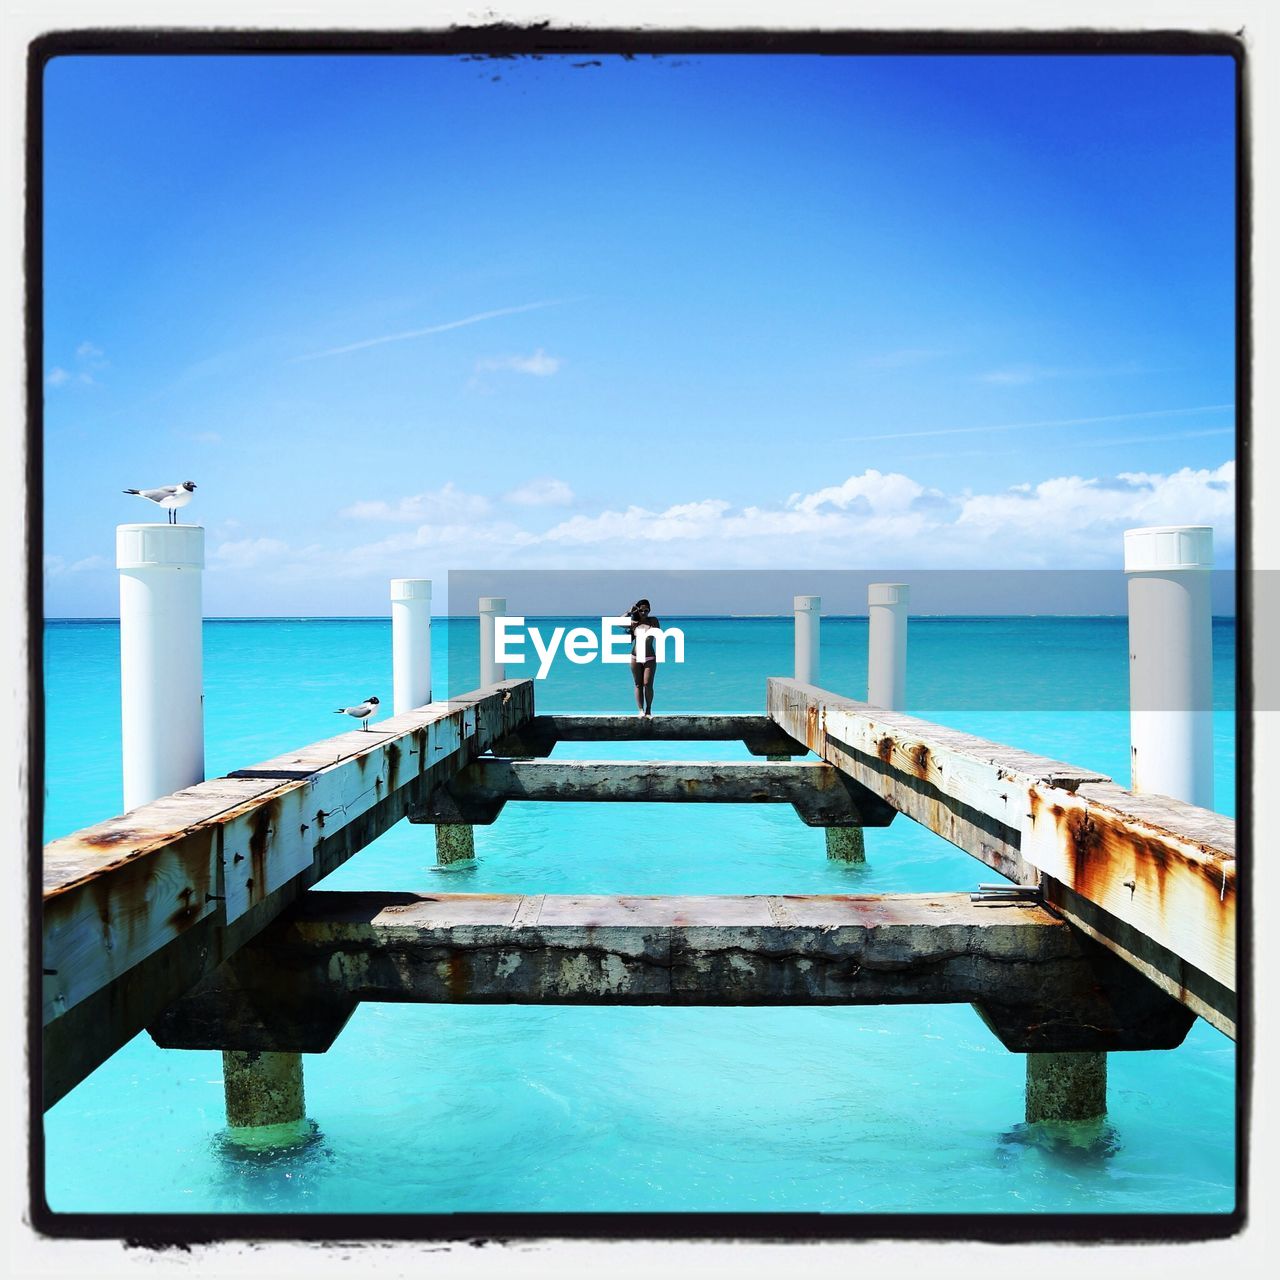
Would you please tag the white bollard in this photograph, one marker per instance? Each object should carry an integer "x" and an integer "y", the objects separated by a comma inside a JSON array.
[
  {"x": 1171, "y": 661},
  {"x": 887, "y": 604},
  {"x": 161, "y": 655},
  {"x": 808, "y": 627},
  {"x": 410, "y": 643},
  {"x": 491, "y": 608}
]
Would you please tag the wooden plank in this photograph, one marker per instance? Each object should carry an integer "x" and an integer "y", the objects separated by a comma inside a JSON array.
[
  {"x": 124, "y": 890},
  {"x": 1166, "y": 868},
  {"x": 1039, "y": 984},
  {"x": 1149, "y": 868}
]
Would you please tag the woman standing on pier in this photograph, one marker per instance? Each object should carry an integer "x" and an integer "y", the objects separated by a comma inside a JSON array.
[{"x": 644, "y": 657}]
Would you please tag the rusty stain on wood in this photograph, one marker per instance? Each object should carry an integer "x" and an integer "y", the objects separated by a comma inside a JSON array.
[
  {"x": 121, "y": 892},
  {"x": 1155, "y": 865}
]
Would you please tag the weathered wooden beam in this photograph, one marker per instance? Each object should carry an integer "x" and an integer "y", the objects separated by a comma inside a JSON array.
[
  {"x": 137, "y": 909},
  {"x": 821, "y": 795},
  {"x": 760, "y": 735},
  {"x": 1157, "y": 875},
  {"x": 1038, "y": 984}
]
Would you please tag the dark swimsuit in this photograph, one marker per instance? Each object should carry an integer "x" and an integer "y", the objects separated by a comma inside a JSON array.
[{"x": 651, "y": 658}]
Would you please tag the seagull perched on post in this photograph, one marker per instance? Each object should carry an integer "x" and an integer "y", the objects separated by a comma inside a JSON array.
[
  {"x": 361, "y": 712},
  {"x": 168, "y": 496}
]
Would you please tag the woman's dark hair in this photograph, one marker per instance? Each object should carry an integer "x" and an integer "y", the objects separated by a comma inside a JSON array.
[{"x": 640, "y": 606}]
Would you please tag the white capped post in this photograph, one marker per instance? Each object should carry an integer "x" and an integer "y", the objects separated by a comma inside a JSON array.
[
  {"x": 410, "y": 643},
  {"x": 491, "y": 609},
  {"x": 808, "y": 625},
  {"x": 161, "y": 656},
  {"x": 1171, "y": 661},
  {"x": 887, "y": 604}
]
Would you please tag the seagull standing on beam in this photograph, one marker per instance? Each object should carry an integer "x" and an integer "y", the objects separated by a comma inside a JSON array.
[{"x": 361, "y": 711}]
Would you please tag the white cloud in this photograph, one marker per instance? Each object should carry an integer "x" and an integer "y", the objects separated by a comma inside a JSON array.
[
  {"x": 871, "y": 492},
  {"x": 1076, "y": 513},
  {"x": 207, "y": 437},
  {"x": 545, "y": 492},
  {"x": 88, "y": 359},
  {"x": 874, "y": 518},
  {"x": 56, "y": 566},
  {"x": 540, "y": 365},
  {"x": 868, "y": 520},
  {"x": 246, "y": 553},
  {"x": 448, "y": 503}
]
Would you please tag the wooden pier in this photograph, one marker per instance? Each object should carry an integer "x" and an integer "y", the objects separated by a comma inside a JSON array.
[{"x": 195, "y": 917}]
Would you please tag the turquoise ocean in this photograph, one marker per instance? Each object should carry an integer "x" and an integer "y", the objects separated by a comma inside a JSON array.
[{"x": 442, "y": 1109}]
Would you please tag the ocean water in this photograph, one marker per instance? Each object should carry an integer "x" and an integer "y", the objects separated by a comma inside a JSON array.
[{"x": 440, "y": 1109}]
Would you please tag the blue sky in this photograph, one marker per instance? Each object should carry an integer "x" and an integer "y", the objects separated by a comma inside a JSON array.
[{"x": 398, "y": 316}]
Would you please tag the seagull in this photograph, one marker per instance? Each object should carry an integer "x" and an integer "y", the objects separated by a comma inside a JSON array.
[
  {"x": 168, "y": 496},
  {"x": 361, "y": 712}
]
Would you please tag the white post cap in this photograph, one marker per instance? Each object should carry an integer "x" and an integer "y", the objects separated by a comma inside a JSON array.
[
  {"x": 411, "y": 588},
  {"x": 159, "y": 546},
  {"x": 493, "y": 604},
  {"x": 888, "y": 593},
  {"x": 1166, "y": 547},
  {"x": 808, "y": 604}
]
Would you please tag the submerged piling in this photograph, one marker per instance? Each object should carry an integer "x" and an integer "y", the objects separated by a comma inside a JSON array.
[
  {"x": 1066, "y": 1086},
  {"x": 455, "y": 842},
  {"x": 266, "y": 1105}
]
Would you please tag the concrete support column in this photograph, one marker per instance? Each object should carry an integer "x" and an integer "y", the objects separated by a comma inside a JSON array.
[
  {"x": 1066, "y": 1086},
  {"x": 410, "y": 643},
  {"x": 491, "y": 609},
  {"x": 845, "y": 844},
  {"x": 887, "y": 604},
  {"x": 455, "y": 842},
  {"x": 808, "y": 612},
  {"x": 1171, "y": 661},
  {"x": 161, "y": 657},
  {"x": 265, "y": 1102}
]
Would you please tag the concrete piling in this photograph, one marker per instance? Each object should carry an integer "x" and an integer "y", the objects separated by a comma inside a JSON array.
[
  {"x": 845, "y": 844},
  {"x": 1066, "y": 1086},
  {"x": 264, "y": 1096},
  {"x": 455, "y": 842}
]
